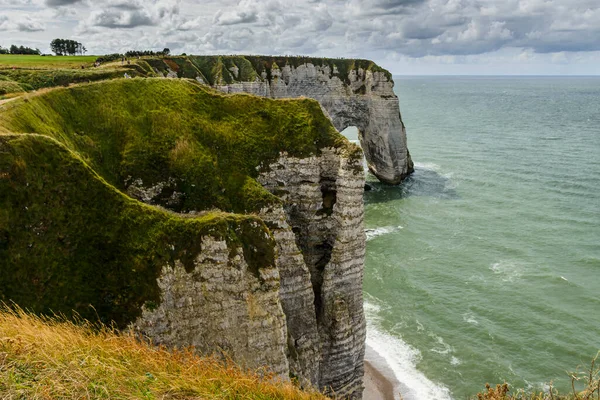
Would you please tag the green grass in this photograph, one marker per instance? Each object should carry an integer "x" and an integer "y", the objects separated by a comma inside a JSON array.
[
  {"x": 32, "y": 61},
  {"x": 33, "y": 79},
  {"x": 69, "y": 236},
  {"x": 173, "y": 129},
  {"x": 70, "y": 242},
  {"x": 9, "y": 87},
  {"x": 48, "y": 358}
]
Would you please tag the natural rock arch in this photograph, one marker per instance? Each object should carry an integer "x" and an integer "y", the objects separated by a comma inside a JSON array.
[{"x": 352, "y": 92}]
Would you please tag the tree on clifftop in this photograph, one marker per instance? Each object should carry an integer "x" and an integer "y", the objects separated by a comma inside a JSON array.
[
  {"x": 62, "y": 47},
  {"x": 23, "y": 50}
]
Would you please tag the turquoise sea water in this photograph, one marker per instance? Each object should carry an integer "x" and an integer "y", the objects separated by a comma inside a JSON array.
[{"x": 484, "y": 266}]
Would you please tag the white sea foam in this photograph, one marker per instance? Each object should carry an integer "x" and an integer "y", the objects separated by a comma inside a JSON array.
[
  {"x": 449, "y": 185},
  {"x": 384, "y": 230},
  {"x": 428, "y": 166},
  {"x": 402, "y": 359},
  {"x": 470, "y": 318},
  {"x": 443, "y": 348},
  {"x": 508, "y": 270}
]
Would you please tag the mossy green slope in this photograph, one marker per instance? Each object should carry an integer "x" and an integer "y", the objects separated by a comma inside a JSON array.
[
  {"x": 8, "y": 86},
  {"x": 33, "y": 79},
  {"x": 208, "y": 145},
  {"x": 69, "y": 236},
  {"x": 70, "y": 241}
]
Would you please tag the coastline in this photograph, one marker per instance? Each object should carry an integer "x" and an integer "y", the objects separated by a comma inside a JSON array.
[{"x": 380, "y": 381}]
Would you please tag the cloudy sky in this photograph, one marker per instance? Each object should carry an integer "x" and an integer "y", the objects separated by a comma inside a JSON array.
[{"x": 405, "y": 36}]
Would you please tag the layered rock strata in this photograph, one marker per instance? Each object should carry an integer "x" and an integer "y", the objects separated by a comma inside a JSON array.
[
  {"x": 220, "y": 307},
  {"x": 364, "y": 99},
  {"x": 323, "y": 204},
  {"x": 317, "y": 283}
]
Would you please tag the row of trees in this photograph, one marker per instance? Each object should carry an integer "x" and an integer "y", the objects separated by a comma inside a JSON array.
[
  {"x": 131, "y": 54},
  {"x": 20, "y": 50},
  {"x": 140, "y": 53},
  {"x": 63, "y": 47}
]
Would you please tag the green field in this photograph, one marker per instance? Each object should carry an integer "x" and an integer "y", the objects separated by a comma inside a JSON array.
[{"x": 10, "y": 60}]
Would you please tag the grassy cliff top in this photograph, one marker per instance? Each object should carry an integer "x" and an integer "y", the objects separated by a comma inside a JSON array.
[
  {"x": 230, "y": 69},
  {"x": 36, "y": 72},
  {"x": 53, "y": 359},
  {"x": 71, "y": 239},
  {"x": 207, "y": 145},
  {"x": 37, "y": 61}
]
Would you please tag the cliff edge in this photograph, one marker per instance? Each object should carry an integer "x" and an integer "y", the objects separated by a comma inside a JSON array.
[
  {"x": 231, "y": 223},
  {"x": 353, "y": 92}
]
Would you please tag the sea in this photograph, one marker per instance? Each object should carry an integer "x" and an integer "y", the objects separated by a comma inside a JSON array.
[{"x": 484, "y": 265}]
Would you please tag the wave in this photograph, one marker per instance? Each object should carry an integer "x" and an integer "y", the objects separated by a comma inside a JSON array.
[
  {"x": 376, "y": 232},
  {"x": 432, "y": 173},
  {"x": 402, "y": 359},
  {"x": 469, "y": 318},
  {"x": 508, "y": 270},
  {"x": 428, "y": 166}
]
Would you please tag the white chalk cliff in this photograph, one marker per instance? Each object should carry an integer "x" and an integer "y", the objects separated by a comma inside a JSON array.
[{"x": 364, "y": 99}]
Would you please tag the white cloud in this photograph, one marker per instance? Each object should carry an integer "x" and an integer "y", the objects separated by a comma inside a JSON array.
[
  {"x": 22, "y": 24},
  {"x": 449, "y": 30}
]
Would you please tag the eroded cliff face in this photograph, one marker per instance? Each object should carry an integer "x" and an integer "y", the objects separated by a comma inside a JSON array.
[
  {"x": 364, "y": 99},
  {"x": 222, "y": 307},
  {"x": 240, "y": 235},
  {"x": 302, "y": 319},
  {"x": 323, "y": 206}
]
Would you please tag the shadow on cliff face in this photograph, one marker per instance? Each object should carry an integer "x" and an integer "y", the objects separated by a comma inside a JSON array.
[{"x": 423, "y": 182}]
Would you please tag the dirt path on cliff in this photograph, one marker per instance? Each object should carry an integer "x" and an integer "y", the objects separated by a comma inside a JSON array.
[{"x": 7, "y": 100}]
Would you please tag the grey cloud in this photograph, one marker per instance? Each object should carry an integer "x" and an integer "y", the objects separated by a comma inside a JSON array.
[
  {"x": 240, "y": 17},
  {"x": 374, "y": 8},
  {"x": 16, "y": 3},
  {"x": 461, "y": 27},
  {"x": 121, "y": 14},
  {"x": 29, "y": 25},
  {"x": 24, "y": 24},
  {"x": 58, "y": 3},
  {"x": 121, "y": 19},
  {"x": 322, "y": 19},
  {"x": 415, "y": 31},
  {"x": 126, "y": 5},
  {"x": 411, "y": 28},
  {"x": 4, "y": 23},
  {"x": 395, "y": 4}
]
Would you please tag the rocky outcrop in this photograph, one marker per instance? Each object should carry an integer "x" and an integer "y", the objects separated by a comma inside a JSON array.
[
  {"x": 317, "y": 283},
  {"x": 364, "y": 99}
]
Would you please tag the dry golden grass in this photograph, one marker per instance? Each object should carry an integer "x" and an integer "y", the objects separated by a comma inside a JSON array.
[
  {"x": 589, "y": 378},
  {"x": 49, "y": 358}
]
